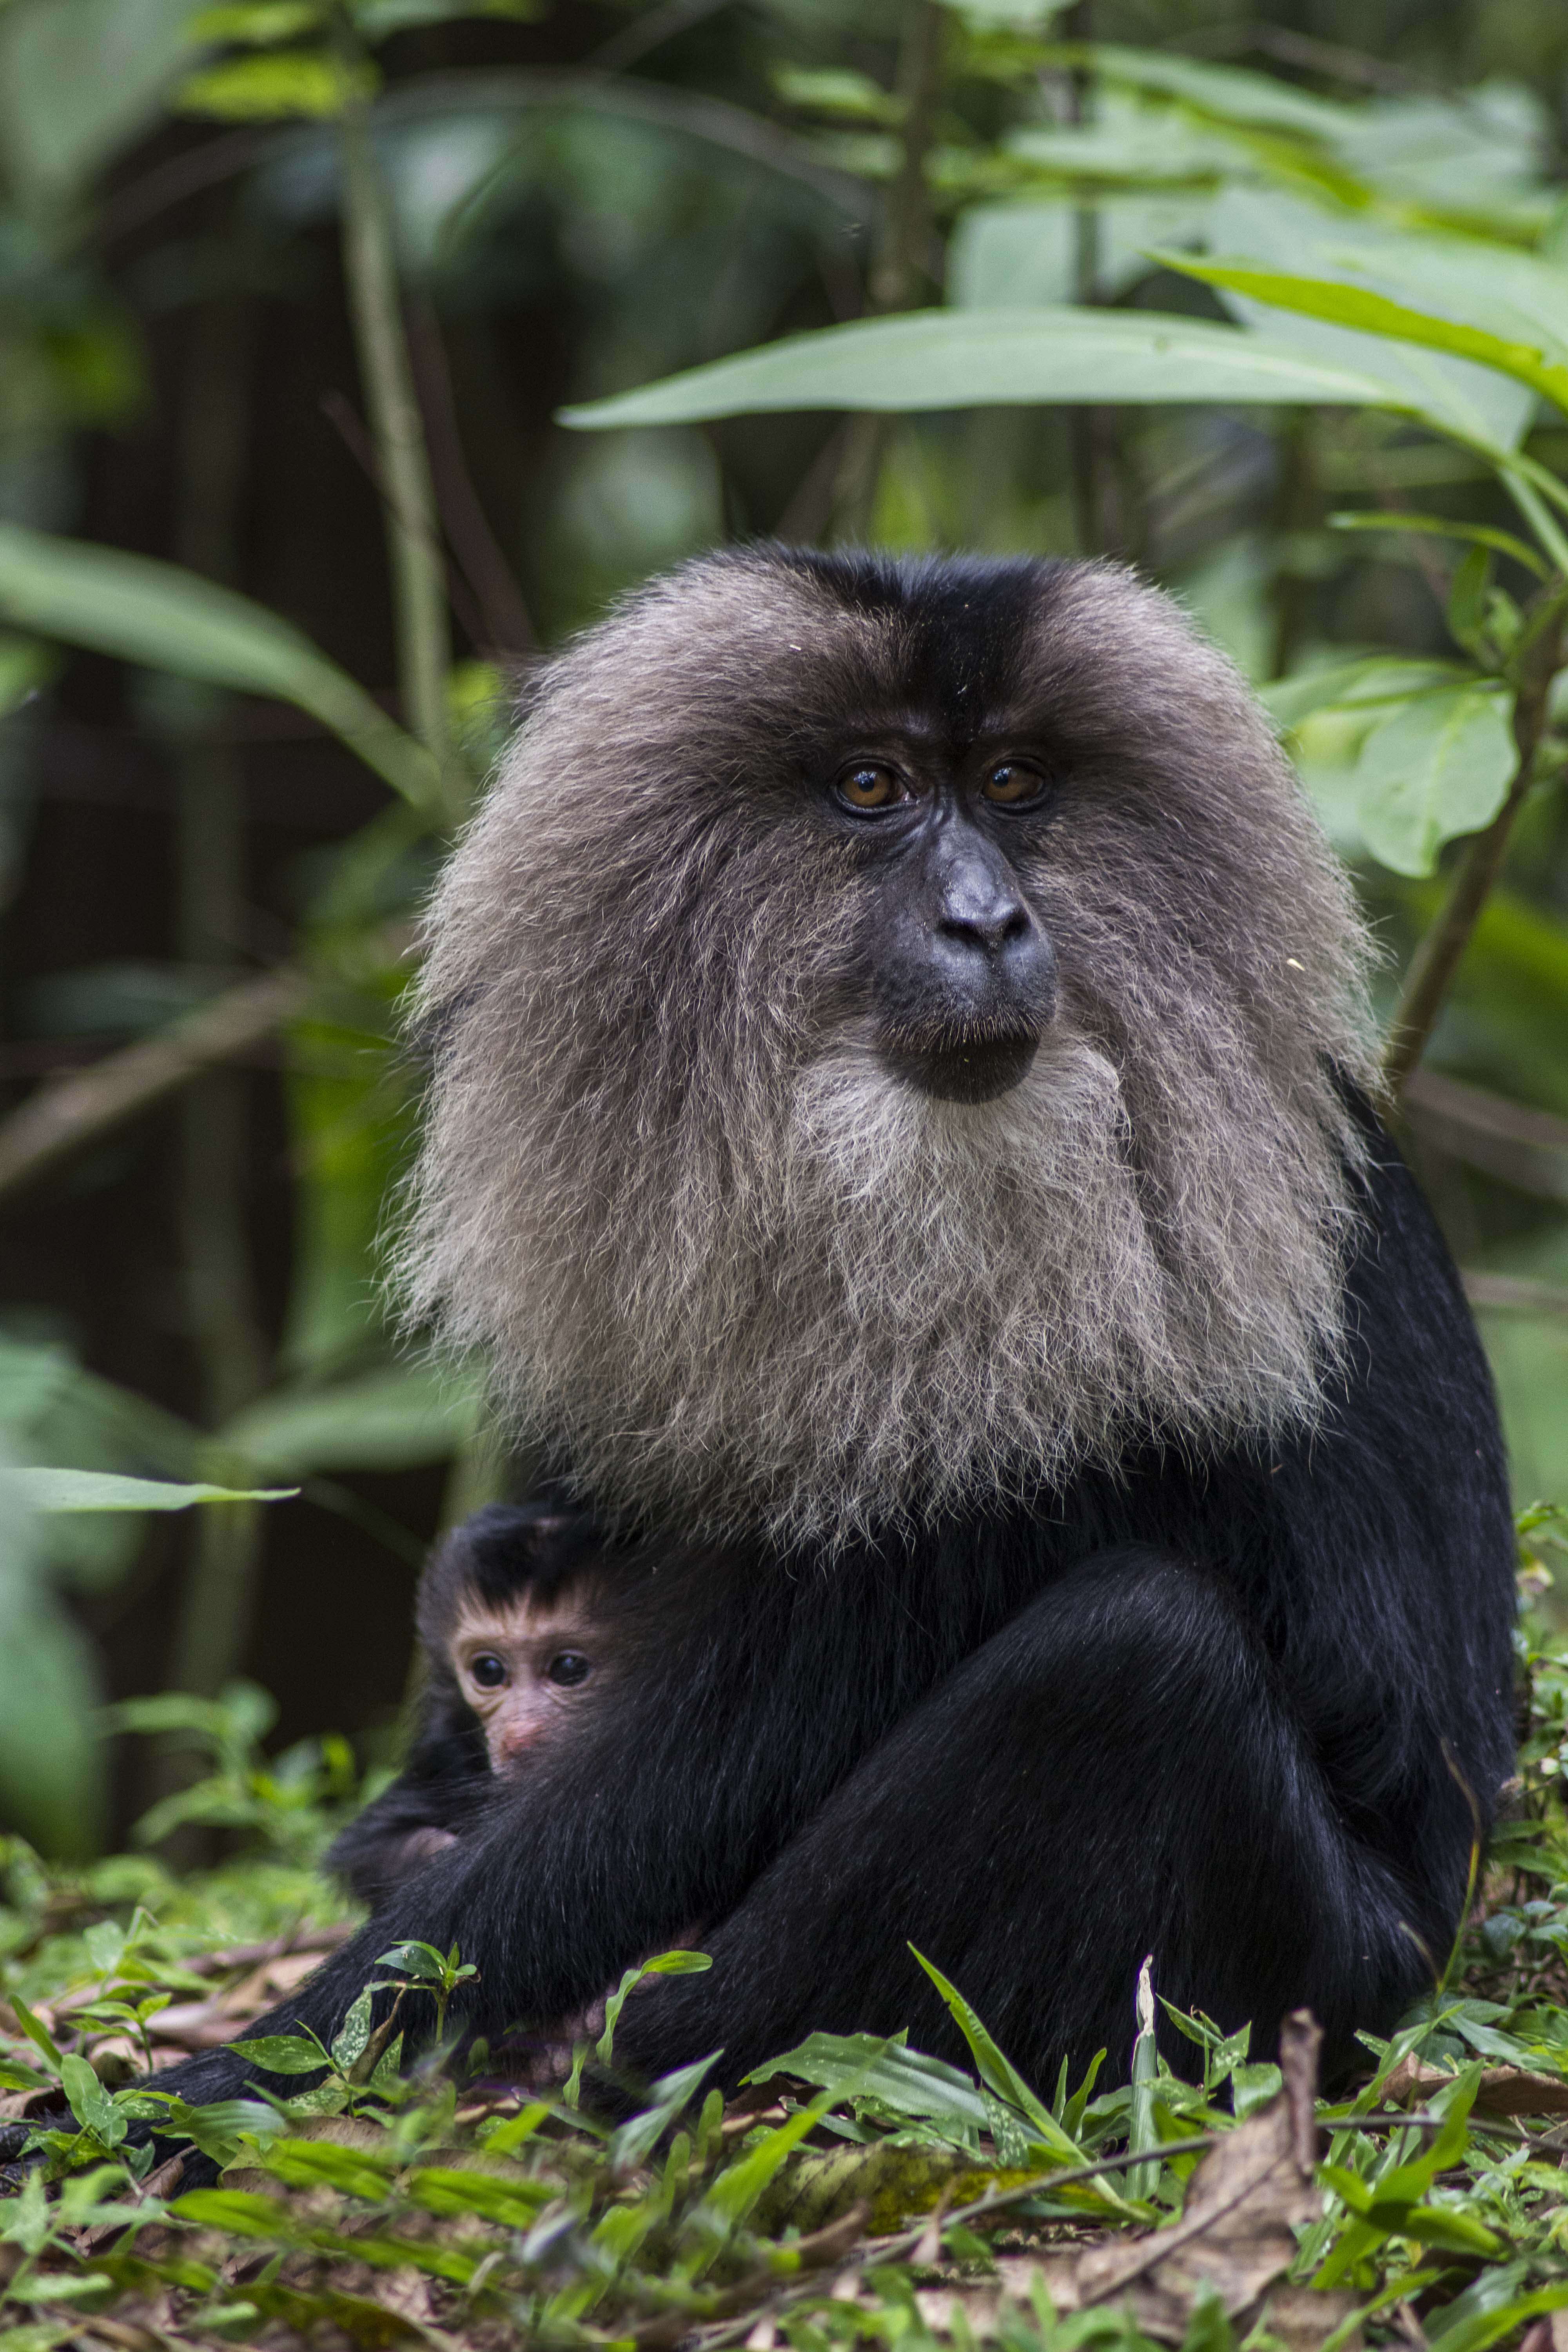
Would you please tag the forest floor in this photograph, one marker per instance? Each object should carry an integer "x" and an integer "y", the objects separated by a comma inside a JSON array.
[{"x": 857, "y": 2191}]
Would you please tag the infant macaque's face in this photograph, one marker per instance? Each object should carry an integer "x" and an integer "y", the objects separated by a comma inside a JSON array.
[{"x": 523, "y": 1668}]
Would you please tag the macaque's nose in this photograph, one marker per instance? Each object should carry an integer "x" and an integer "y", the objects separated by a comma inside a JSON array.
[{"x": 513, "y": 1737}]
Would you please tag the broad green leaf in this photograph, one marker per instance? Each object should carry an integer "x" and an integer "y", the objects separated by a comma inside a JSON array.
[
  {"x": 102, "y": 1490},
  {"x": 1369, "y": 312},
  {"x": 78, "y": 78},
  {"x": 1453, "y": 278},
  {"x": 51, "y": 1757},
  {"x": 1001, "y": 255},
  {"x": 169, "y": 619},
  {"x": 281, "y": 2053},
  {"x": 1438, "y": 767},
  {"x": 275, "y": 84},
  {"x": 838, "y": 92},
  {"x": 1224, "y": 93},
  {"x": 945, "y": 359},
  {"x": 90, "y": 2104},
  {"x": 1368, "y": 685},
  {"x": 394, "y": 1420}
]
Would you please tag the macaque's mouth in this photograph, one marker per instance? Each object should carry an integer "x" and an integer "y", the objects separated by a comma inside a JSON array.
[{"x": 973, "y": 1070}]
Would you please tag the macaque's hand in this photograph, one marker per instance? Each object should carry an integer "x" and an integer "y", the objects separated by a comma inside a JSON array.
[{"x": 423, "y": 1845}]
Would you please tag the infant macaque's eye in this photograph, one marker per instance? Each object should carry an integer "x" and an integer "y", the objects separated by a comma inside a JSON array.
[
  {"x": 570, "y": 1667},
  {"x": 488, "y": 1669}
]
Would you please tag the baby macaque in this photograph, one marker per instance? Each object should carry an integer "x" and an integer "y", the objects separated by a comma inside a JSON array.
[{"x": 510, "y": 1621}]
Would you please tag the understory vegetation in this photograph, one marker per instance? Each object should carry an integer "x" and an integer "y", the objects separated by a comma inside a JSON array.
[{"x": 856, "y": 2190}]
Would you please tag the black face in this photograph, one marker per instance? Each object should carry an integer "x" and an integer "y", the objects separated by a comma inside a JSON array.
[
  {"x": 569, "y": 1668},
  {"x": 963, "y": 977}
]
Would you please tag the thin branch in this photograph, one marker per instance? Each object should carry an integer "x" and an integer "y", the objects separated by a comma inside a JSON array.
[
  {"x": 507, "y": 90},
  {"x": 419, "y": 593},
  {"x": 897, "y": 279},
  {"x": 650, "y": 32},
  {"x": 506, "y": 627},
  {"x": 1514, "y": 1295},
  {"x": 1436, "y": 958},
  {"x": 343, "y": 417},
  {"x": 69, "y": 1114},
  {"x": 1524, "y": 1146}
]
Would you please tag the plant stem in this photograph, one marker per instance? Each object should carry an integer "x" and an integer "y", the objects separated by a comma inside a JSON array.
[
  {"x": 419, "y": 596},
  {"x": 1089, "y": 430},
  {"x": 897, "y": 276},
  {"x": 1436, "y": 958}
]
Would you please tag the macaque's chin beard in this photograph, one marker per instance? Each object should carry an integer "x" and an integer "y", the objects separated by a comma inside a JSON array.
[{"x": 962, "y": 1070}]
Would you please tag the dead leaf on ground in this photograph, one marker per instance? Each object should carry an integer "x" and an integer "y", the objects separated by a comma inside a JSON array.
[
  {"x": 1504, "y": 2090},
  {"x": 1235, "y": 2238}
]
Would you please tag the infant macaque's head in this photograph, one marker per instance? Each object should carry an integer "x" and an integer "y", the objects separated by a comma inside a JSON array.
[{"x": 511, "y": 1609}]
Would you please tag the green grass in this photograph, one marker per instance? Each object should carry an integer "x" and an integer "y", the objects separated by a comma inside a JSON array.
[{"x": 858, "y": 2192}]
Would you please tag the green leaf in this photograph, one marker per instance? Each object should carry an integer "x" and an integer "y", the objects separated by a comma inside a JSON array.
[
  {"x": 156, "y": 613},
  {"x": 79, "y": 78},
  {"x": 237, "y": 2211},
  {"x": 397, "y": 1419},
  {"x": 421, "y": 1961},
  {"x": 1359, "y": 307},
  {"x": 322, "y": 2163},
  {"x": 1220, "y": 93},
  {"x": 838, "y": 92},
  {"x": 353, "y": 2033},
  {"x": 36, "y": 2032},
  {"x": 1438, "y": 767},
  {"x": 901, "y": 2079},
  {"x": 257, "y": 23},
  {"x": 314, "y": 83},
  {"x": 668, "y": 2096},
  {"x": 944, "y": 359},
  {"x": 513, "y": 2201},
  {"x": 90, "y": 2104},
  {"x": 281, "y": 2053},
  {"x": 663, "y": 1964},
  {"x": 998, "y": 2072},
  {"x": 104, "y": 1490},
  {"x": 24, "y": 666},
  {"x": 1450, "y": 278},
  {"x": 1368, "y": 685},
  {"x": 1478, "y": 534}
]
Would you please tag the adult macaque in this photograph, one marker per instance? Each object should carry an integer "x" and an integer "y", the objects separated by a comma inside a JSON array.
[
  {"x": 512, "y": 1620},
  {"x": 904, "y": 1114}
]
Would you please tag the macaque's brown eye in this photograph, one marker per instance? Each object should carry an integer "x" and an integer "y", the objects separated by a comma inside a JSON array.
[
  {"x": 870, "y": 786},
  {"x": 488, "y": 1669},
  {"x": 570, "y": 1667},
  {"x": 1010, "y": 785}
]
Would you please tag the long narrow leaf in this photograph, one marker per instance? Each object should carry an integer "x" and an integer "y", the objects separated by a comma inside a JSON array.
[
  {"x": 170, "y": 619},
  {"x": 105, "y": 1490},
  {"x": 953, "y": 359},
  {"x": 1340, "y": 304}
]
